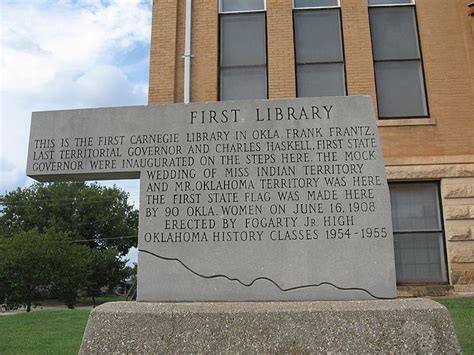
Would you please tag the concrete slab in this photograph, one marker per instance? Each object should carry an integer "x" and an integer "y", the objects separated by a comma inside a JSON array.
[{"x": 405, "y": 325}]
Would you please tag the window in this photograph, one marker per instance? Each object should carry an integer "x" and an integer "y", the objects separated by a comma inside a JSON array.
[
  {"x": 318, "y": 47},
  {"x": 397, "y": 59},
  {"x": 418, "y": 233},
  {"x": 243, "y": 57}
]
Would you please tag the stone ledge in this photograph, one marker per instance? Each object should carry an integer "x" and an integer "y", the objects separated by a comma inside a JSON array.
[
  {"x": 436, "y": 290},
  {"x": 429, "y": 160},
  {"x": 403, "y": 325},
  {"x": 464, "y": 288},
  {"x": 395, "y": 172}
]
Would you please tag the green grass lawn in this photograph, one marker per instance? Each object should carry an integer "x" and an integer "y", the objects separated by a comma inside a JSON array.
[
  {"x": 60, "y": 332},
  {"x": 462, "y": 313},
  {"x": 49, "y": 332}
]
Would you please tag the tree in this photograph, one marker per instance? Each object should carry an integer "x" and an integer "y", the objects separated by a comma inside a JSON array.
[
  {"x": 105, "y": 270},
  {"x": 34, "y": 263},
  {"x": 63, "y": 238},
  {"x": 100, "y": 215},
  {"x": 70, "y": 272}
]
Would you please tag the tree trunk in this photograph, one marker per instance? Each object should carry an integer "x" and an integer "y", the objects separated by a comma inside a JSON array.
[
  {"x": 28, "y": 298},
  {"x": 93, "y": 301}
]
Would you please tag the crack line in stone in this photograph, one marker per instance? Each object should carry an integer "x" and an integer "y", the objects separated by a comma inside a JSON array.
[{"x": 266, "y": 279}]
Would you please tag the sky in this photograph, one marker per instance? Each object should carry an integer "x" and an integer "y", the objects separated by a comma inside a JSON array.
[{"x": 67, "y": 54}]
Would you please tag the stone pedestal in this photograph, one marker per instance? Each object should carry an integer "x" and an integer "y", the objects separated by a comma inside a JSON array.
[{"x": 404, "y": 325}]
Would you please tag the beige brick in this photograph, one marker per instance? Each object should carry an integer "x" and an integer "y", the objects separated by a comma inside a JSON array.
[
  {"x": 281, "y": 60},
  {"x": 461, "y": 252},
  {"x": 162, "y": 52},
  {"x": 454, "y": 233},
  {"x": 457, "y": 212},
  {"x": 358, "y": 49},
  {"x": 458, "y": 191},
  {"x": 462, "y": 277}
]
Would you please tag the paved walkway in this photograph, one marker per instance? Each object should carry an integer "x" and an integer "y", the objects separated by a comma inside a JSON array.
[{"x": 42, "y": 308}]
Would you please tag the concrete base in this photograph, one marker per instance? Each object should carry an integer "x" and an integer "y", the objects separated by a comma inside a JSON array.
[{"x": 404, "y": 325}]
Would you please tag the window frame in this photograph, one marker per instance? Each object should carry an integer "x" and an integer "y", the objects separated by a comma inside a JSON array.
[
  {"x": 341, "y": 29},
  {"x": 221, "y": 12},
  {"x": 338, "y": 6},
  {"x": 442, "y": 230},
  {"x": 420, "y": 60},
  {"x": 219, "y": 66},
  {"x": 411, "y": 3}
]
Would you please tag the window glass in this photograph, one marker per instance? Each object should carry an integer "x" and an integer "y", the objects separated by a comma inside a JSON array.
[
  {"x": 398, "y": 64},
  {"x": 318, "y": 36},
  {"x": 415, "y": 206},
  {"x": 319, "y": 53},
  {"x": 315, "y": 3},
  {"x": 243, "y": 58},
  {"x": 400, "y": 89},
  {"x": 418, "y": 258},
  {"x": 242, "y": 5},
  {"x": 417, "y": 232},
  {"x": 394, "y": 34},
  {"x": 321, "y": 80},
  {"x": 243, "y": 83},
  {"x": 243, "y": 39}
]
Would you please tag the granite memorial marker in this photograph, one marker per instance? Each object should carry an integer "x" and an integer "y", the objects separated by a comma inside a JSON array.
[{"x": 239, "y": 200}]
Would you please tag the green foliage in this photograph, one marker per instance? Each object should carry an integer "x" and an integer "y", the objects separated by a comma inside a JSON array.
[
  {"x": 51, "y": 332},
  {"x": 105, "y": 270},
  {"x": 71, "y": 271},
  {"x": 87, "y": 212},
  {"x": 62, "y": 239},
  {"x": 32, "y": 264},
  {"x": 462, "y": 313},
  {"x": 36, "y": 265}
]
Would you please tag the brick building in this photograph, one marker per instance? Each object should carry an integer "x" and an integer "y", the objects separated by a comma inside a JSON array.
[{"x": 415, "y": 58}]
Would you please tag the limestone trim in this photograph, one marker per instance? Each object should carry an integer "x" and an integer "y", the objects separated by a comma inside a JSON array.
[
  {"x": 406, "y": 122},
  {"x": 436, "y": 171},
  {"x": 464, "y": 288},
  {"x": 429, "y": 160}
]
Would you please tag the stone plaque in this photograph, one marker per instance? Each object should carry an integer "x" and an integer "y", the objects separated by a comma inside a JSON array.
[{"x": 240, "y": 200}]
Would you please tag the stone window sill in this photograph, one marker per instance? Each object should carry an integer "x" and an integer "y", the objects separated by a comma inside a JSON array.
[{"x": 406, "y": 122}]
